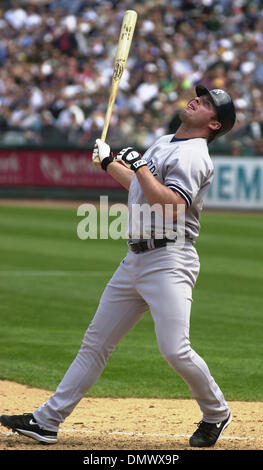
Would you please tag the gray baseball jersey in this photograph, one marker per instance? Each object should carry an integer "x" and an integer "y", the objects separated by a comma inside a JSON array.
[
  {"x": 160, "y": 280},
  {"x": 184, "y": 165}
]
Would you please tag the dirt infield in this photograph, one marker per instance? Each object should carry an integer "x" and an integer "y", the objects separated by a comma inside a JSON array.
[{"x": 123, "y": 424}]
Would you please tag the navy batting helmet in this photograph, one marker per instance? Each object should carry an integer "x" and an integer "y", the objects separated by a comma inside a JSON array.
[{"x": 225, "y": 109}]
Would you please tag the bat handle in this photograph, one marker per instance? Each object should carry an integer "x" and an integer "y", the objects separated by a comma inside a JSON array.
[
  {"x": 96, "y": 160},
  {"x": 104, "y": 133}
]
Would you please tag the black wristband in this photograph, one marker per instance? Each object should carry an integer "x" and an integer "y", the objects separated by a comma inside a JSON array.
[
  {"x": 105, "y": 162},
  {"x": 138, "y": 164}
]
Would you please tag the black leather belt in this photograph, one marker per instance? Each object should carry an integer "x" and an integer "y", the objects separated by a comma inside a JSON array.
[{"x": 138, "y": 247}]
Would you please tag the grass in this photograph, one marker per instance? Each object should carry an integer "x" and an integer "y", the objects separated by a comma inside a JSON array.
[{"x": 51, "y": 282}]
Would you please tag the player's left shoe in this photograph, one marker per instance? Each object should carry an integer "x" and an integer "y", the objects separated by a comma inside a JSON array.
[
  {"x": 207, "y": 434},
  {"x": 27, "y": 426}
]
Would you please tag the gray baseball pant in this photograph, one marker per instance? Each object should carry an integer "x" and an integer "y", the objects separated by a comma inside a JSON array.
[{"x": 160, "y": 280}]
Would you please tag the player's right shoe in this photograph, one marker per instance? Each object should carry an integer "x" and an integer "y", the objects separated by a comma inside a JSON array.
[
  {"x": 207, "y": 434},
  {"x": 27, "y": 426}
]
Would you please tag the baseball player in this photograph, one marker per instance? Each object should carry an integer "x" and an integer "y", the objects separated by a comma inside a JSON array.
[{"x": 156, "y": 274}]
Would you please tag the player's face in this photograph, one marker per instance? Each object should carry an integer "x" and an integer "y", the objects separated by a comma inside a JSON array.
[{"x": 200, "y": 111}]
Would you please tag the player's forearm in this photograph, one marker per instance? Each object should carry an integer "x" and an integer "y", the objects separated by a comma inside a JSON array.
[
  {"x": 120, "y": 173},
  {"x": 157, "y": 193}
]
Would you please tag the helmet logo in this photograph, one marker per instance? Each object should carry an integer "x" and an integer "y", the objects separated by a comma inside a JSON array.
[{"x": 218, "y": 92}]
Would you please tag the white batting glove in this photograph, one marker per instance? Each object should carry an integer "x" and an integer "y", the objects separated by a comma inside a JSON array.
[
  {"x": 131, "y": 158},
  {"x": 103, "y": 151}
]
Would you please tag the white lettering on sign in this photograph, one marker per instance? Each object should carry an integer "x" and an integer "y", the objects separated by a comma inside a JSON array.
[
  {"x": 51, "y": 168},
  {"x": 9, "y": 164},
  {"x": 68, "y": 165}
]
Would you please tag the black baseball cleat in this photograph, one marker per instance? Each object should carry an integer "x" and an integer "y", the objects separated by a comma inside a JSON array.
[
  {"x": 207, "y": 434},
  {"x": 27, "y": 426}
]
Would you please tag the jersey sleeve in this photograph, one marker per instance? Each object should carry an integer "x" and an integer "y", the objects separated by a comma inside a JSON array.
[{"x": 185, "y": 174}]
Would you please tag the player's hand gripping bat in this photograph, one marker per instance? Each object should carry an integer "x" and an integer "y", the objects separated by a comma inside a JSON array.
[{"x": 124, "y": 44}]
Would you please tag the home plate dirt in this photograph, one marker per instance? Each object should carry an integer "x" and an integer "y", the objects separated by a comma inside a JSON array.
[{"x": 128, "y": 423}]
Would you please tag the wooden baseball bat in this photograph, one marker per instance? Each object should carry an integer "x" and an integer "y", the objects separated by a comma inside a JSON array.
[{"x": 124, "y": 44}]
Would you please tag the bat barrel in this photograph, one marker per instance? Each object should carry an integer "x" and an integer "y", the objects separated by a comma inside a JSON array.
[{"x": 123, "y": 49}]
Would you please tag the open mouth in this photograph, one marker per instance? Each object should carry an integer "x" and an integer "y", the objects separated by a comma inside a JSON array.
[{"x": 191, "y": 105}]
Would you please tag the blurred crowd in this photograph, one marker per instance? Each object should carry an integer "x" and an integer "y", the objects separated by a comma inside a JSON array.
[{"x": 56, "y": 61}]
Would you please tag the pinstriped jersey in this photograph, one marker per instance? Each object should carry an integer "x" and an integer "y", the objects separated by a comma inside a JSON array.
[{"x": 185, "y": 166}]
